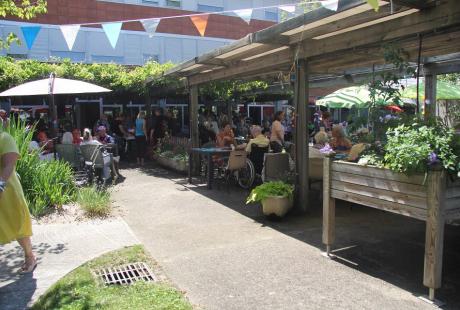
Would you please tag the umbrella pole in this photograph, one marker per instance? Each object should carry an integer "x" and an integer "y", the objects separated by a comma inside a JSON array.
[{"x": 52, "y": 107}]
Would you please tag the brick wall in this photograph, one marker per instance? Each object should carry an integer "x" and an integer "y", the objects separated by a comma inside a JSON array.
[{"x": 87, "y": 11}]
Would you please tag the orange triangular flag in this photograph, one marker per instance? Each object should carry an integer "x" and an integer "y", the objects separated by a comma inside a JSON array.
[{"x": 200, "y": 22}]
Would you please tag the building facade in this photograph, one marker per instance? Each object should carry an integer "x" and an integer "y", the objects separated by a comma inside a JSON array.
[{"x": 176, "y": 39}]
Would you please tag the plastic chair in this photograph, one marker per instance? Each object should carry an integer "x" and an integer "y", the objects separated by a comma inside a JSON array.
[
  {"x": 276, "y": 167},
  {"x": 70, "y": 154}
]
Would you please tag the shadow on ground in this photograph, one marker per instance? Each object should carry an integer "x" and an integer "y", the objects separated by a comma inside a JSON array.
[
  {"x": 19, "y": 288},
  {"x": 383, "y": 245}
]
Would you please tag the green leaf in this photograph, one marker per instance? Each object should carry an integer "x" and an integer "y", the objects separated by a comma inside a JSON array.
[{"x": 374, "y": 4}]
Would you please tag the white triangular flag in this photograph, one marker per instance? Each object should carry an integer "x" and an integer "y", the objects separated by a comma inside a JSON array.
[
  {"x": 245, "y": 14},
  {"x": 112, "y": 31},
  {"x": 70, "y": 33},
  {"x": 150, "y": 26},
  {"x": 288, "y": 8},
  {"x": 331, "y": 4}
]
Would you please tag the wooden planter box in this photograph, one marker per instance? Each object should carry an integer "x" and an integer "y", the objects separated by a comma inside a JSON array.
[
  {"x": 433, "y": 198},
  {"x": 176, "y": 165}
]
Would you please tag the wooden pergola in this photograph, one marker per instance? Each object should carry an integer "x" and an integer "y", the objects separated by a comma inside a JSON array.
[{"x": 325, "y": 48}]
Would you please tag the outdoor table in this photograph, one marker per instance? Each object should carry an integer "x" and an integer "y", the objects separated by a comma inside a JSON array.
[{"x": 208, "y": 152}]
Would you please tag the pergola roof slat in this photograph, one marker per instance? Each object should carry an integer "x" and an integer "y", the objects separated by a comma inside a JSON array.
[{"x": 334, "y": 42}]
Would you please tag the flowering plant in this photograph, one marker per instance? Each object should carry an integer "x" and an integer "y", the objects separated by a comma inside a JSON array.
[{"x": 416, "y": 147}]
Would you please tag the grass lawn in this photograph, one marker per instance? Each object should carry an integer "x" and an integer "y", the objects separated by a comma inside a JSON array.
[{"x": 79, "y": 289}]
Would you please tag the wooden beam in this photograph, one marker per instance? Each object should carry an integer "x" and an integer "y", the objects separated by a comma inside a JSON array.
[
  {"x": 417, "y": 4},
  {"x": 275, "y": 32},
  {"x": 434, "y": 238},
  {"x": 341, "y": 24},
  {"x": 328, "y": 206},
  {"x": 442, "y": 68},
  {"x": 193, "y": 117},
  {"x": 429, "y": 104},
  {"x": 301, "y": 134},
  {"x": 446, "y": 15},
  {"x": 245, "y": 68}
]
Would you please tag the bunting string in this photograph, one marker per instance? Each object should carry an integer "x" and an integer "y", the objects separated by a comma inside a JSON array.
[
  {"x": 112, "y": 29},
  {"x": 280, "y": 6}
]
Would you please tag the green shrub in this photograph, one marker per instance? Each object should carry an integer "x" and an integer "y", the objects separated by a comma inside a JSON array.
[
  {"x": 46, "y": 184},
  {"x": 94, "y": 201},
  {"x": 270, "y": 189},
  {"x": 413, "y": 148}
]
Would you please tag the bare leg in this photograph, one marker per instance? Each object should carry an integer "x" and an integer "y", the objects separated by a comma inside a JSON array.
[{"x": 29, "y": 257}]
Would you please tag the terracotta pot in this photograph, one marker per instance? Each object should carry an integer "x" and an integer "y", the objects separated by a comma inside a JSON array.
[{"x": 277, "y": 205}]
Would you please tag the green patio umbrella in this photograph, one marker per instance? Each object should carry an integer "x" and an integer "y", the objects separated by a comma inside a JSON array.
[
  {"x": 350, "y": 97},
  {"x": 444, "y": 91}
]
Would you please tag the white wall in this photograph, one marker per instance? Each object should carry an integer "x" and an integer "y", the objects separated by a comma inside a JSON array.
[{"x": 91, "y": 45}]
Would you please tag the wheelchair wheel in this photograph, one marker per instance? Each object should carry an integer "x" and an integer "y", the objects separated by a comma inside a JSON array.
[{"x": 246, "y": 175}]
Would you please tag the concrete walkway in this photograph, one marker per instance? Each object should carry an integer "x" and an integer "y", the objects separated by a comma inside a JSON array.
[
  {"x": 225, "y": 255},
  {"x": 60, "y": 249}
]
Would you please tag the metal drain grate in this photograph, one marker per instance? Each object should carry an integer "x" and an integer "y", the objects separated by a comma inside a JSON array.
[{"x": 126, "y": 274}]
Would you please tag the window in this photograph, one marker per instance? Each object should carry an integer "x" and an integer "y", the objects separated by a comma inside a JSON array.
[
  {"x": 209, "y": 8},
  {"x": 107, "y": 59},
  {"x": 271, "y": 15},
  {"x": 150, "y": 57},
  {"x": 152, "y": 2},
  {"x": 73, "y": 56},
  {"x": 17, "y": 56},
  {"x": 173, "y": 3}
]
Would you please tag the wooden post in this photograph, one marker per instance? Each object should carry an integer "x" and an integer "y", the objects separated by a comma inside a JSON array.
[
  {"x": 434, "y": 238},
  {"x": 194, "y": 134},
  {"x": 328, "y": 206},
  {"x": 301, "y": 137},
  {"x": 429, "y": 104},
  {"x": 230, "y": 112}
]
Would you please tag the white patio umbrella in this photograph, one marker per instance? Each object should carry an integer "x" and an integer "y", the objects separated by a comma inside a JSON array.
[{"x": 53, "y": 86}]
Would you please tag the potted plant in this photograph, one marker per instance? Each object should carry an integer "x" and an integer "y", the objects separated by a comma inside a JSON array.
[{"x": 276, "y": 197}]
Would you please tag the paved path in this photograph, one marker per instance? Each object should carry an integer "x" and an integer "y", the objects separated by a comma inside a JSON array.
[
  {"x": 60, "y": 248},
  {"x": 227, "y": 256}
]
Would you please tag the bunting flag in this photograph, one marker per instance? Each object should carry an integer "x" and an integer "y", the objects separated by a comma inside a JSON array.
[
  {"x": 200, "y": 22},
  {"x": 288, "y": 8},
  {"x": 245, "y": 15},
  {"x": 150, "y": 26},
  {"x": 112, "y": 31},
  {"x": 30, "y": 33},
  {"x": 70, "y": 33},
  {"x": 331, "y": 4}
]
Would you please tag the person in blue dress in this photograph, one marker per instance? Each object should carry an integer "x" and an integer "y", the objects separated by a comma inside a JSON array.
[{"x": 141, "y": 138}]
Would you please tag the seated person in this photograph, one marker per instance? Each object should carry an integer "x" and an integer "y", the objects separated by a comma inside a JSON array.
[
  {"x": 258, "y": 138},
  {"x": 76, "y": 137},
  {"x": 46, "y": 144},
  {"x": 339, "y": 141},
  {"x": 87, "y": 138},
  {"x": 321, "y": 139},
  {"x": 103, "y": 137},
  {"x": 106, "y": 157},
  {"x": 67, "y": 138},
  {"x": 225, "y": 138}
]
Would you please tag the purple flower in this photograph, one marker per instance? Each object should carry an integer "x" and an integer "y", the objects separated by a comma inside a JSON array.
[
  {"x": 326, "y": 149},
  {"x": 433, "y": 159}
]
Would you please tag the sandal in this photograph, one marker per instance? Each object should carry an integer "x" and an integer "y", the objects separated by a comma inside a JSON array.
[{"x": 29, "y": 265}]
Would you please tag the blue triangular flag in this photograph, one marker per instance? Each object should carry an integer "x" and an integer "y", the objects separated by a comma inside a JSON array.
[
  {"x": 112, "y": 31},
  {"x": 30, "y": 33}
]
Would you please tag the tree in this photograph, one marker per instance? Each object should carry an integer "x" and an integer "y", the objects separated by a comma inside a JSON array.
[{"x": 23, "y": 9}]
